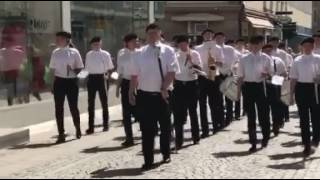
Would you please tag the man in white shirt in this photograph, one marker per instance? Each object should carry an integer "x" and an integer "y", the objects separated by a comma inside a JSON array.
[
  {"x": 283, "y": 46},
  {"x": 231, "y": 58},
  {"x": 186, "y": 91},
  {"x": 98, "y": 65},
  {"x": 65, "y": 64},
  {"x": 241, "y": 47},
  {"x": 209, "y": 88},
  {"x": 283, "y": 55},
  {"x": 124, "y": 60},
  {"x": 304, "y": 76},
  {"x": 278, "y": 68},
  {"x": 153, "y": 71},
  {"x": 253, "y": 70}
]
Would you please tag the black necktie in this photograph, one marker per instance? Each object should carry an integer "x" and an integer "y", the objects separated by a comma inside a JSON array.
[{"x": 274, "y": 66}]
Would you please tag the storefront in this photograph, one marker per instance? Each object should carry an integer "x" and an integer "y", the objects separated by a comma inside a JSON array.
[
  {"x": 28, "y": 27},
  {"x": 27, "y": 31}
]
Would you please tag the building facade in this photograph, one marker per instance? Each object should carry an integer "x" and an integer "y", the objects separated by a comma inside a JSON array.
[
  {"x": 30, "y": 26},
  {"x": 239, "y": 18}
]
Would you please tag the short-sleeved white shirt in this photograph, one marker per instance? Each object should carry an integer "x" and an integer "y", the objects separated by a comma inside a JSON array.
[
  {"x": 61, "y": 58},
  {"x": 253, "y": 65},
  {"x": 145, "y": 65},
  {"x": 187, "y": 73},
  {"x": 305, "y": 68}
]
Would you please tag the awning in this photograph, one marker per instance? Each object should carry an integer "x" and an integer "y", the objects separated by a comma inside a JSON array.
[
  {"x": 260, "y": 23},
  {"x": 197, "y": 17}
]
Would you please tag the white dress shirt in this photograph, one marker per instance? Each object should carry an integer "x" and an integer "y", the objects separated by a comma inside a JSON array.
[
  {"x": 231, "y": 57},
  {"x": 253, "y": 65},
  {"x": 305, "y": 68},
  {"x": 145, "y": 65},
  {"x": 187, "y": 74},
  {"x": 98, "y": 62},
  {"x": 124, "y": 60},
  {"x": 282, "y": 55},
  {"x": 215, "y": 51},
  {"x": 61, "y": 58}
]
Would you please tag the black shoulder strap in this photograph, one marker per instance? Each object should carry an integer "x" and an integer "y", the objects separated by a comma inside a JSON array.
[{"x": 160, "y": 65}]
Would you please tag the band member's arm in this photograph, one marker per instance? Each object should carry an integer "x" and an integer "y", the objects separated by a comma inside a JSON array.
[
  {"x": 78, "y": 65},
  {"x": 119, "y": 81},
  {"x": 132, "y": 90}
]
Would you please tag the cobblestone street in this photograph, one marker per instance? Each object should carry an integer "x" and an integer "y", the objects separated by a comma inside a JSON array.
[{"x": 223, "y": 155}]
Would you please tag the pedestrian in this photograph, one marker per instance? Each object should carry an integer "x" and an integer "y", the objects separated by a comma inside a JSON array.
[
  {"x": 153, "y": 71},
  {"x": 252, "y": 72},
  {"x": 285, "y": 57},
  {"x": 231, "y": 58},
  {"x": 212, "y": 58},
  {"x": 65, "y": 64},
  {"x": 278, "y": 68},
  {"x": 304, "y": 77},
  {"x": 99, "y": 65},
  {"x": 125, "y": 58},
  {"x": 186, "y": 91}
]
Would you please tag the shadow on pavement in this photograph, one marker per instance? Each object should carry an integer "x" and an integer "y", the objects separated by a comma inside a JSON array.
[
  {"x": 245, "y": 141},
  {"x": 294, "y": 155},
  {"x": 292, "y": 166},
  {"x": 291, "y": 144},
  {"x": 232, "y": 154},
  {"x": 38, "y": 146},
  {"x": 104, "y": 149},
  {"x": 103, "y": 173},
  {"x": 124, "y": 138}
]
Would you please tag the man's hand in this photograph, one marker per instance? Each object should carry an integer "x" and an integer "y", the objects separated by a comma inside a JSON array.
[
  {"x": 165, "y": 95},
  {"x": 132, "y": 98}
]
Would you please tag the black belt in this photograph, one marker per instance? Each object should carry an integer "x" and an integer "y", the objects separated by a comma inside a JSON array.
[
  {"x": 177, "y": 82},
  {"x": 149, "y": 93},
  {"x": 253, "y": 83}
]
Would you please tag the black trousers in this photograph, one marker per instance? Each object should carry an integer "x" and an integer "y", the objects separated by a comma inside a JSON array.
[
  {"x": 286, "y": 111},
  {"x": 276, "y": 106},
  {"x": 210, "y": 90},
  {"x": 254, "y": 95},
  {"x": 128, "y": 111},
  {"x": 97, "y": 83},
  {"x": 185, "y": 99},
  {"x": 237, "y": 109},
  {"x": 152, "y": 109},
  {"x": 66, "y": 88},
  {"x": 308, "y": 110}
]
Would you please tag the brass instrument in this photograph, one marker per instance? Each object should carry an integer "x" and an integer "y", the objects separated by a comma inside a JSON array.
[{"x": 212, "y": 68}]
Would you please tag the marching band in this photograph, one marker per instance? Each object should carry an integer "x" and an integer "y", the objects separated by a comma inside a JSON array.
[{"x": 157, "y": 81}]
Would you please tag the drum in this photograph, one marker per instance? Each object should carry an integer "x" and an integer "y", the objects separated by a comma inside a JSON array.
[
  {"x": 285, "y": 93},
  {"x": 229, "y": 88}
]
